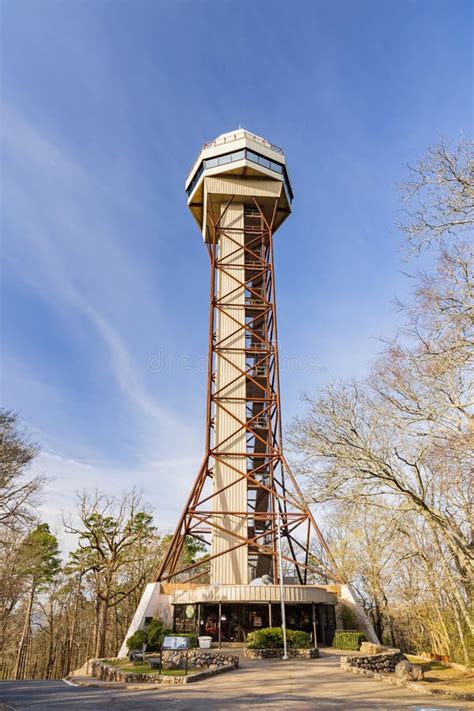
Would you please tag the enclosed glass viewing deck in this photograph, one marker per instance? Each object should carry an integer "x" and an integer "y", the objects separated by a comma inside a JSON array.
[{"x": 233, "y": 157}]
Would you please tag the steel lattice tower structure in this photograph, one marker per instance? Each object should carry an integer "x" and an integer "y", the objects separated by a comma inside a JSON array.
[
  {"x": 245, "y": 503},
  {"x": 239, "y": 193}
]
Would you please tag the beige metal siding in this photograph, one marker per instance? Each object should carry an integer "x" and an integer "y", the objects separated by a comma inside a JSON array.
[
  {"x": 221, "y": 187},
  {"x": 254, "y": 593},
  {"x": 232, "y": 567},
  {"x": 249, "y": 187}
]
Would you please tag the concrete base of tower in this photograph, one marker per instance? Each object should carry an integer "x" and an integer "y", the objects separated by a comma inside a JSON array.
[
  {"x": 154, "y": 603},
  {"x": 348, "y": 597}
]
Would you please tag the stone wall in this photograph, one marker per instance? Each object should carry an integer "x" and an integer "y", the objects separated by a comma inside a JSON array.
[
  {"x": 370, "y": 648},
  {"x": 277, "y": 653},
  {"x": 203, "y": 662},
  {"x": 384, "y": 662},
  {"x": 197, "y": 659},
  {"x": 107, "y": 672}
]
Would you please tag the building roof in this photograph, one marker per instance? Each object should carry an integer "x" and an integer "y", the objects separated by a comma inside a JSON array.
[{"x": 238, "y": 134}]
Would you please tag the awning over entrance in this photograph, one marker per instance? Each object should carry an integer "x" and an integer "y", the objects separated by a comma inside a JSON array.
[{"x": 253, "y": 593}]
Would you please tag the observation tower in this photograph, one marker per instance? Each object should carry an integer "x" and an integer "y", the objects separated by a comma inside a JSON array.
[{"x": 260, "y": 545}]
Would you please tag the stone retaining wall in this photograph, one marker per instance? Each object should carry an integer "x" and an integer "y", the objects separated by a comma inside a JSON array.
[
  {"x": 197, "y": 659},
  {"x": 207, "y": 663},
  {"x": 370, "y": 648},
  {"x": 277, "y": 653},
  {"x": 384, "y": 662}
]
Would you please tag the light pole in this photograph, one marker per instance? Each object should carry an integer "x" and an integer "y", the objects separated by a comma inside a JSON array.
[{"x": 282, "y": 587}]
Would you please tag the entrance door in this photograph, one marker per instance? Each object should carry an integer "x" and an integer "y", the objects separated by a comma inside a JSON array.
[
  {"x": 209, "y": 622},
  {"x": 326, "y": 623}
]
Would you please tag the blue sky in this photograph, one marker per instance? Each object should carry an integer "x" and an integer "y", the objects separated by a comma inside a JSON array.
[{"x": 105, "y": 278}]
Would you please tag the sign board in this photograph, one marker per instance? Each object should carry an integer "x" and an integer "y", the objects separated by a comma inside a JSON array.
[{"x": 175, "y": 643}]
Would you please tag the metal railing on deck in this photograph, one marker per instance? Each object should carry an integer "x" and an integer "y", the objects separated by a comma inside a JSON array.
[{"x": 229, "y": 137}]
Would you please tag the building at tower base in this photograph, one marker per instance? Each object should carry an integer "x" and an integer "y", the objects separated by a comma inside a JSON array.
[
  {"x": 228, "y": 613},
  {"x": 238, "y": 610}
]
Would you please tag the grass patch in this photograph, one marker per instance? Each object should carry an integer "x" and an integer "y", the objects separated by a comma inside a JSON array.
[
  {"x": 142, "y": 668},
  {"x": 440, "y": 676}
]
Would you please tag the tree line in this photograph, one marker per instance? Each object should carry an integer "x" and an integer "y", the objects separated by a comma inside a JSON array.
[
  {"x": 391, "y": 456},
  {"x": 56, "y": 613}
]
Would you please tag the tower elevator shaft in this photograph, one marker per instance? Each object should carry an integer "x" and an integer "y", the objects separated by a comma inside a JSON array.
[{"x": 243, "y": 397}]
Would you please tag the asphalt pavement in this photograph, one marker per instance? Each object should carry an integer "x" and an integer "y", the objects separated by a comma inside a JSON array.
[{"x": 296, "y": 685}]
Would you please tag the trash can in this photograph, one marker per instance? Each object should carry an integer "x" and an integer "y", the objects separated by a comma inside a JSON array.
[{"x": 205, "y": 642}]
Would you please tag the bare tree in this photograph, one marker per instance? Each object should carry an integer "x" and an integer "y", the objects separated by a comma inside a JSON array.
[
  {"x": 440, "y": 195},
  {"x": 18, "y": 490},
  {"x": 399, "y": 444},
  {"x": 362, "y": 538},
  {"x": 113, "y": 534}
]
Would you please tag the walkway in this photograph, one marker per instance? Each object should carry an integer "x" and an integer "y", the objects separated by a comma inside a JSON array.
[{"x": 317, "y": 685}]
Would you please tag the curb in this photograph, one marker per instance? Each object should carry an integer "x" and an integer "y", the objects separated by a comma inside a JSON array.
[
  {"x": 97, "y": 684},
  {"x": 415, "y": 686},
  {"x": 136, "y": 685}
]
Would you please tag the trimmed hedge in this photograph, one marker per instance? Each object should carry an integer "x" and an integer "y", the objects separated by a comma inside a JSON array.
[
  {"x": 272, "y": 638},
  {"x": 348, "y": 639}
]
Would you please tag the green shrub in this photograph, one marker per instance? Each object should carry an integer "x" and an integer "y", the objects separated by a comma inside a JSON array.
[
  {"x": 348, "y": 639},
  {"x": 298, "y": 639},
  {"x": 156, "y": 632},
  {"x": 266, "y": 638},
  {"x": 137, "y": 640},
  {"x": 153, "y": 636},
  {"x": 272, "y": 638}
]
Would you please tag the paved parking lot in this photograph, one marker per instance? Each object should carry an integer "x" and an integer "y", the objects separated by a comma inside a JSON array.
[{"x": 273, "y": 684}]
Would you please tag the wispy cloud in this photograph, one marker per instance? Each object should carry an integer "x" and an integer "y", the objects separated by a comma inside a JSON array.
[
  {"x": 68, "y": 476},
  {"x": 68, "y": 249}
]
